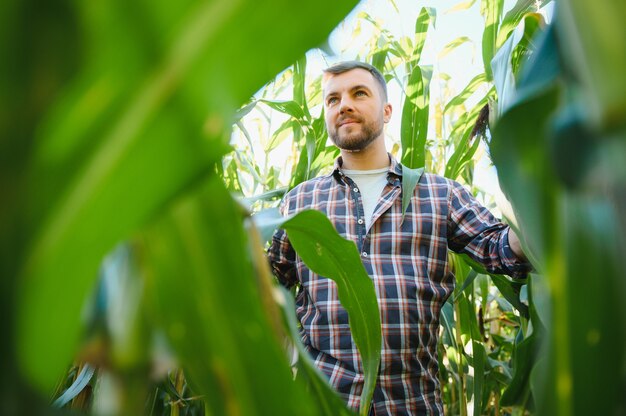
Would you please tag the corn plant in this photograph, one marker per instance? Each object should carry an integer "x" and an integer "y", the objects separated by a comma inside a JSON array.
[
  {"x": 111, "y": 114},
  {"x": 122, "y": 134},
  {"x": 555, "y": 143}
]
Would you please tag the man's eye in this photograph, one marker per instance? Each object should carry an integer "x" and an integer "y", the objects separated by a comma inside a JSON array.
[
  {"x": 331, "y": 100},
  {"x": 360, "y": 93}
]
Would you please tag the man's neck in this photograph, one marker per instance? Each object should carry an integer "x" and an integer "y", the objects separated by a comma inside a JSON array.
[{"x": 373, "y": 157}]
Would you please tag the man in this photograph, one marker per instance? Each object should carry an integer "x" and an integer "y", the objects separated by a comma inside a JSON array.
[{"x": 406, "y": 259}]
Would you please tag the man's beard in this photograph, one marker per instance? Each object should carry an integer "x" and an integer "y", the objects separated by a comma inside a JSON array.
[{"x": 356, "y": 141}]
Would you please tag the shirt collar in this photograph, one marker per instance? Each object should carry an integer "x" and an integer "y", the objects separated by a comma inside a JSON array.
[{"x": 395, "y": 169}]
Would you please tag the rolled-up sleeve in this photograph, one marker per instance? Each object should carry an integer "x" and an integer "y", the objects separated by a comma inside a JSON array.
[
  {"x": 516, "y": 267},
  {"x": 473, "y": 230}
]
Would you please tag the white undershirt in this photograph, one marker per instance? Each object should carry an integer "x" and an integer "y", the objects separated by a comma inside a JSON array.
[{"x": 371, "y": 184}]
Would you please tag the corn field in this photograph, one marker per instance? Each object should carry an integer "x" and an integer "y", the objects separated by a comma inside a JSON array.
[{"x": 146, "y": 146}]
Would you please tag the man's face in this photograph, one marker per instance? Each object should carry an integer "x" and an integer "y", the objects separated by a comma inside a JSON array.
[{"x": 355, "y": 110}]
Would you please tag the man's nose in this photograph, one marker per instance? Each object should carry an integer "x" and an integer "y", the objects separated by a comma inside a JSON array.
[{"x": 345, "y": 105}]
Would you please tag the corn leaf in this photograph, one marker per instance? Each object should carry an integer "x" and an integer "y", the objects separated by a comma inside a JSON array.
[
  {"x": 453, "y": 45},
  {"x": 523, "y": 361},
  {"x": 596, "y": 55},
  {"x": 502, "y": 63},
  {"x": 515, "y": 15},
  {"x": 281, "y": 133},
  {"x": 154, "y": 124},
  {"x": 491, "y": 11},
  {"x": 410, "y": 178},
  {"x": 464, "y": 5},
  {"x": 291, "y": 108},
  {"x": 510, "y": 289},
  {"x": 218, "y": 326},
  {"x": 575, "y": 230},
  {"x": 414, "y": 126},
  {"x": 591, "y": 245},
  {"x": 427, "y": 16},
  {"x": 464, "y": 151},
  {"x": 299, "y": 84},
  {"x": 327, "y": 254},
  {"x": 467, "y": 92},
  {"x": 479, "y": 359},
  {"x": 82, "y": 379}
]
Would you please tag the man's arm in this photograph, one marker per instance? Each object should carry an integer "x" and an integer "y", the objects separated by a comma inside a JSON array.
[
  {"x": 282, "y": 259},
  {"x": 516, "y": 246},
  {"x": 473, "y": 230},
  {"x": 281, "y": 255}
]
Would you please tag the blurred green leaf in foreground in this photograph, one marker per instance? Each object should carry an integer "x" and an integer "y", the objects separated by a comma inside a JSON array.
[{"x": 109, "y": 111}]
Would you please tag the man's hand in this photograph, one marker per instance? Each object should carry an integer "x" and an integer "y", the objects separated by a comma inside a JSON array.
[{"x": 516, "y": 246}]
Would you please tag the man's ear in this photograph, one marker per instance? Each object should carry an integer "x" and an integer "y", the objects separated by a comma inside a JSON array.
[{"x": 387, "y": 110}]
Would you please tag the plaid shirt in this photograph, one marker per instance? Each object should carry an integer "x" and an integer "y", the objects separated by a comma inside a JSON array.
[{"x": 408, "y": 265}]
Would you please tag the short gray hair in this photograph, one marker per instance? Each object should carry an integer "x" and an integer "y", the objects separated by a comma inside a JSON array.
[{"x": 346, "y": 66}]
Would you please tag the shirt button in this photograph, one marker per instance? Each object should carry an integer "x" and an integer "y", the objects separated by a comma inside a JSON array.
[
  {"x": 360, "y": 221},
  {"x": 356, "y": 189},
  {"x": 364, "y": 254}
]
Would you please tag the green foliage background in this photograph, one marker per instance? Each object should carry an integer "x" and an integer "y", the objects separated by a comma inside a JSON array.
[{"x": 116, "y": 120}]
